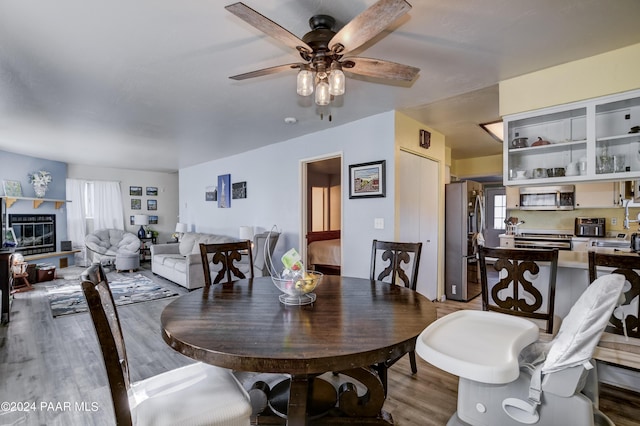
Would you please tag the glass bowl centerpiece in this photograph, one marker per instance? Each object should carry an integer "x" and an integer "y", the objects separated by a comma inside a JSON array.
[
  {"x": 297, "y": 289},
  {"x": 294, "y": 282}
]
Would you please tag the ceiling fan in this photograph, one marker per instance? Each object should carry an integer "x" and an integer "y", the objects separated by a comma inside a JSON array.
[{"x": 323, "y": 49}]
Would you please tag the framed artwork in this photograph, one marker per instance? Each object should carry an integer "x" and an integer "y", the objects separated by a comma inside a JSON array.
[
  {"x": 12, "y": 188},
  {"x": 136, "y": 203},
  {"x": 367, "y": 180},
  {"x": 10, "y": 239},
  {"x": 425, "y": 139},
  {"x": 211, "y": 194},
  {"x": 152, "y": 190},
  {"x": 135, "y": 191},
  {"x": 153, "y": 220},
  {"x": 131, "y": 222},
  {"x": 152, "y": 204},
  {"x": 239, "y": 190},
  {"x": 224, "y": 196}
]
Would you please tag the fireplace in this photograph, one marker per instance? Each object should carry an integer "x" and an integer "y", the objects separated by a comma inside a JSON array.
[{"x": 35, "y": 233}]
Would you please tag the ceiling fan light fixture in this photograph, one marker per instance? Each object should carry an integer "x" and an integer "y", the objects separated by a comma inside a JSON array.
[
  {"x": 305, "y": 82},
  {"x": 323, "y": 97},
  {"x": 336, "y": 80}
]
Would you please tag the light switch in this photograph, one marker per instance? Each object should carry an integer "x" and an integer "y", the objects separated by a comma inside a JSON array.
[{"x": 378, "y": 223}]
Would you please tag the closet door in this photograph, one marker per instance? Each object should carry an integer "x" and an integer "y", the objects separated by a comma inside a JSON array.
[{"x": 418, "y": 201}]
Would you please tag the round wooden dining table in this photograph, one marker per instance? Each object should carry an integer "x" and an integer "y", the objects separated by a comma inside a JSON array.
[{"x": 353, "y": 324}]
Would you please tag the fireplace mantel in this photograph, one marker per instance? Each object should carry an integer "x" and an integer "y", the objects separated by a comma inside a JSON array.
[{"x": 36, "y": 201}]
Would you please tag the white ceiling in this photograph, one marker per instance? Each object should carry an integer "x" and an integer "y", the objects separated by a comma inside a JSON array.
[{"x": 144, "y": 84}]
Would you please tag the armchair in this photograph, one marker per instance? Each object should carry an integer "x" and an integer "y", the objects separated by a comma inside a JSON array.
[{"x": 104, "y": 244}]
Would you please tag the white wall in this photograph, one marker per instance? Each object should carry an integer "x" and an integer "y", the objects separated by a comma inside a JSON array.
[
  {"x": 167, "y": 184},
  {"x": 274, "y": 191}
]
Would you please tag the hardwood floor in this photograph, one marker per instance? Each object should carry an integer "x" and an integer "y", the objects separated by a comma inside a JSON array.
[{"x": 55, "y": 364}]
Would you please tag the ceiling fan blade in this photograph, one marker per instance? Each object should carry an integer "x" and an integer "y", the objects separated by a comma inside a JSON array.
[
  {"x": 379, "y": 69},
  {"x": 265, "y": 71},
  {"x": 266, "y": 25},
  {"x": 368, "y": 24}
]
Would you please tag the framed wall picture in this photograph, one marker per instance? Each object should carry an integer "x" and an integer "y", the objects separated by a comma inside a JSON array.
[
  {"x": 152, "y": 190},
  {"x": 153, "y": 220},
  {"x": 131, "y": 220},
  {"x": 152, "y": 204},
  {"x": 136, "y": 203},
  {"x": 12, "y": 188},
  {"x": 211, "y": 193},
  {"x": 425, "y": 139},
  {"x": 367, "y": 180},
  {"x": 224, "y": 191},
  {"x": 135, "y": 191},
  {"x": 239, "y": 190}
]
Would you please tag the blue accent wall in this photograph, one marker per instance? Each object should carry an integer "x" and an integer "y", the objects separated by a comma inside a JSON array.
[{"x": 17, "y": 167}]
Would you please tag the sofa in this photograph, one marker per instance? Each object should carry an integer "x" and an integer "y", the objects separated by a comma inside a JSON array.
[
  {"x": 104, "y": 244},
  {"x": 181, "y": 262}
]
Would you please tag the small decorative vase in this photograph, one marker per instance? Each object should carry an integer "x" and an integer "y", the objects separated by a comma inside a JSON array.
[{"x": 40, "y": 190}]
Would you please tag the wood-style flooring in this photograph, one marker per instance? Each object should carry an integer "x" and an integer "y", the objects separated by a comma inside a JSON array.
[{"x": 54, "y": 368}]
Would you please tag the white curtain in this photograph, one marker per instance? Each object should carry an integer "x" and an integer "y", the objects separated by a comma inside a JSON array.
[
  {"x": 76, "y": 220},
  {"x": 108, "y": 212}
]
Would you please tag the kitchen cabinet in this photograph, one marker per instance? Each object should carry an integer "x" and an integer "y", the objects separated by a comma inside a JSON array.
[
  {"x": 596, "y": 195},
  {"x": 592, "y": 140},
  {"x": 513, "y": 197}
]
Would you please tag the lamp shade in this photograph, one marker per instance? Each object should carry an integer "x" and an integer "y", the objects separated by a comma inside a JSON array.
[
  {"x": 141, "y": 219},
  {"x": 181, "y": 227},
  {"x": 246, "y": 233}
]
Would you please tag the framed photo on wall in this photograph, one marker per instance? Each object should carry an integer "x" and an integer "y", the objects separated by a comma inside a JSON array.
[
  {"x": 152, "y": 190},
  {"x": 153, "y": 220},
  {"x": 367, "y": 180},
  {"x": 224, "y": 191},
  {"x": 239, "y": 190},
  {"x": 152, "y": 204},
  {"x": 135, "y": 191},
  {"x": 136, "y": 204}
]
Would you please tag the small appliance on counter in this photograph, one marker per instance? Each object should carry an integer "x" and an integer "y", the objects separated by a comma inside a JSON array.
[
  {"x": 635, "y": 242},
  {"x": 590, "y": 227}
]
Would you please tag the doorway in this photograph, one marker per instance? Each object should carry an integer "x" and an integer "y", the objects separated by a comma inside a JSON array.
[
  {"x": 322, "y": 214},
  {"x": 496, "y": 213}
]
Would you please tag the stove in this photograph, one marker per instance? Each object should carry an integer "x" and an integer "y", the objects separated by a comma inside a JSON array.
[{"x": 543, "y": 240}]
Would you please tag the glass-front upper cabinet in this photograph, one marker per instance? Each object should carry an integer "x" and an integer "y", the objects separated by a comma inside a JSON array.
[
  {"x": 618, "y": 138},
  {"x": 597, "y": 139}
]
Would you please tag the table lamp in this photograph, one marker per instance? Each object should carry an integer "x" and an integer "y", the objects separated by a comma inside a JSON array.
[
  {"x": 141, "y": 219},
  {"x": 181, "y": 228},
  {"x": 246, "y": 233}
]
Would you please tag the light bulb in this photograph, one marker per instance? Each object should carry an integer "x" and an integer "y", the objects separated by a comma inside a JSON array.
[
  {"x": 322, "y": 93},
  {"x": 305, "y": 83},
  {"x": 336, "y": 82}
]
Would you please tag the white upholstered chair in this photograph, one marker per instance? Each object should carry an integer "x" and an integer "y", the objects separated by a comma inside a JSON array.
[{"x": 198, "y": 394}]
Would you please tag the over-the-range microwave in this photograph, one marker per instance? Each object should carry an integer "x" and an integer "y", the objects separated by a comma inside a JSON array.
[{"x": 557, "y": 197}]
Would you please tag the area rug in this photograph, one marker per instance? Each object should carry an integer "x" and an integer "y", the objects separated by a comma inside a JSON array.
[{"x": 67, "y": 297}]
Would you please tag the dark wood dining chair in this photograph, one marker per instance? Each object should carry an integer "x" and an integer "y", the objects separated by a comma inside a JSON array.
[
  {"x": 512, "y": 283},
  {"x": 196, "y": 394},
  {"x": 396, "y": 263},
  {"x": 629, "y": 266},
  {"x": 226, "y": 259}
]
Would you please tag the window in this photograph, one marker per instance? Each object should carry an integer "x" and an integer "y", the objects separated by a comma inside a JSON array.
[
  {"x": 88, "y": 200},
  {"x": 499, "y": 211}
]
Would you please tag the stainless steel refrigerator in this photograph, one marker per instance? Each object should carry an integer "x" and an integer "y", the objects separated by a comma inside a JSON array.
[{"x": 464, "y": 223}]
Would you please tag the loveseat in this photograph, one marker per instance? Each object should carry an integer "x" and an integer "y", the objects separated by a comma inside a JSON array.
[
  {"x": 181, "y": 262},
  {"x": 105, "y": 244}
]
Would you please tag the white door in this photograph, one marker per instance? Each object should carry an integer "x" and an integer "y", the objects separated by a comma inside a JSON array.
[{"x": 418, "y": 200}]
